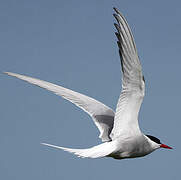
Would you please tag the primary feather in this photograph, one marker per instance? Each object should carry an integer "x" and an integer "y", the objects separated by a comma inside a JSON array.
[
  {"x": 102, "y": 115},
  {"x": 131, "y": 97}
]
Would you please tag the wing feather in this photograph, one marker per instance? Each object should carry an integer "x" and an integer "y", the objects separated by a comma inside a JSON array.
[
  {"x": 133, "y": 87},
  {"x": 102, "y": 115}
]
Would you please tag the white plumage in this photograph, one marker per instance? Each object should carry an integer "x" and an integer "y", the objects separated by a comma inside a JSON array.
[{"x": 119, "y": 131}]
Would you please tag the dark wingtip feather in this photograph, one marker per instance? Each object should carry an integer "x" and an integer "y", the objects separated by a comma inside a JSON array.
[
  {"x": 116, "y": 26},
  {"x": 118, "y": 36},
  {"x": 120, "y": 54},
  {"x": 115, "y": 9},
  {"x": 118, "y": 12},
  {"x": 114, "y": 15},
  {"x": 117, "y": 18},
  {"x": 119, "y": 45}
]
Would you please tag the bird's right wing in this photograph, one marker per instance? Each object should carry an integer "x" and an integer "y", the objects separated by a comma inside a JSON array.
[
  {"x": 133, "y": 86},
  {"x": 102, "y": 115}
]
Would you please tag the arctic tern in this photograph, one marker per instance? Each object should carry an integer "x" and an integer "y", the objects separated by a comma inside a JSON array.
[{"x": 119, "y": 130}]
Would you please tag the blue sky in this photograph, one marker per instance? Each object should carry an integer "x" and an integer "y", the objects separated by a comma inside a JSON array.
[{"x": 72, "y": 43}]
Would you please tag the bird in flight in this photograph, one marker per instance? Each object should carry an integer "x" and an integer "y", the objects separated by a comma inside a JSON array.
[{"x": 119, "y": 131}]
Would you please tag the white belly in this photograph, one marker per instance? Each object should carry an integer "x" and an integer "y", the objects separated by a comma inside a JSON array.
[{"x": 130, "y": 147}]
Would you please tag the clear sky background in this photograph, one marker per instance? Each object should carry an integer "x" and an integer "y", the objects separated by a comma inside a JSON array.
[{"x": 72, "y": 43}]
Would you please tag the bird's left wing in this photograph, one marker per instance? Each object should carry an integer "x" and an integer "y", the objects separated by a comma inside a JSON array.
[
  {"x": 102, "y": 115},
  {"x": 133, "y": 86}
]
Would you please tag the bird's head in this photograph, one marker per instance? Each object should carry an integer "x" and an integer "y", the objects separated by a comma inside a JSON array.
[{"x": 155, "y": 143}]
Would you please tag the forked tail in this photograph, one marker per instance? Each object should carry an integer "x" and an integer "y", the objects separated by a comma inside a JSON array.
[{"x": 98, "y": 151}]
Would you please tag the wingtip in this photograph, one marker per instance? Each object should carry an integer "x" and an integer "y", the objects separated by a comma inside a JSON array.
[
  {"x": 5, "y": 72},
  {"x": 116, "y": 10},
  {"x": 8, "y": 73}
]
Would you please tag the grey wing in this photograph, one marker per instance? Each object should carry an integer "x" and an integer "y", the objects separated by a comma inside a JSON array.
[
  {"x": 133, "y": 86},
  {"x": 102, "y": 115}
]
